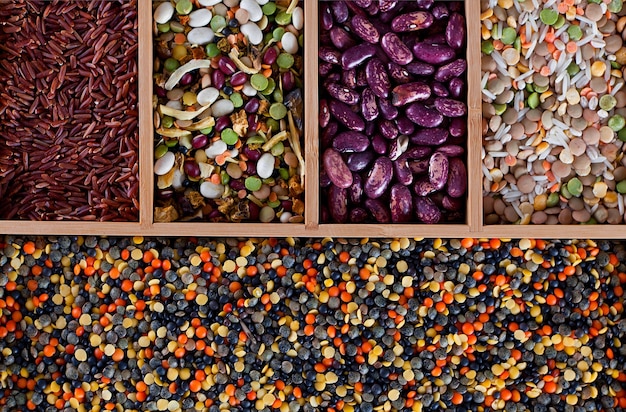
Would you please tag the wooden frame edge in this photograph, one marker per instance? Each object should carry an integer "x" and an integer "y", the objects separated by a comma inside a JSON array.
[
  {"x": 474, "y": 118},
  {"x": 146, "y": 128},
  {"x": 311, "y": 107}
]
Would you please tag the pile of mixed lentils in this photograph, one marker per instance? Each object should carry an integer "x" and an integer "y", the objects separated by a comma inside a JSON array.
[{"x": 129, "y": 324}]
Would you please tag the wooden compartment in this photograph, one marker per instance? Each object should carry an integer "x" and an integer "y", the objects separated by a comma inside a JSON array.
[{"x": 472, "y": 227}]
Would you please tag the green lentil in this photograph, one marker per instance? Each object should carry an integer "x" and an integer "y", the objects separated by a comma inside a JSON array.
[
  {"x": 229, "y": 136},
  {"x": 549, "y": 16}
]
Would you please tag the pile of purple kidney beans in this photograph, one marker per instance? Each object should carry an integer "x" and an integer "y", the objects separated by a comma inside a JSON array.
[{"x": 393, "y": 111}]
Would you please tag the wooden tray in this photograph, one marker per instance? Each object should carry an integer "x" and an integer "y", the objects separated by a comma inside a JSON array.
[{"x": 472, "y": 227}]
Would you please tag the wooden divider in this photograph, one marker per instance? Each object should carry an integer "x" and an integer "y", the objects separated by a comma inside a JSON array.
[{"x": 473, "y": 225}]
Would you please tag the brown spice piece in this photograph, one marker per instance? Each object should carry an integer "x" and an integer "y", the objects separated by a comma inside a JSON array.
[
  {"x": 165, "y": 214},
  {"x": 195, "y": 198},
  {"x": 240, "y": 122}
]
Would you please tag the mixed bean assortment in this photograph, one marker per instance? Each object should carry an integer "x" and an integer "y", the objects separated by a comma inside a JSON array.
[
  {"x": 229, "y": 110},
  {"x": 554, "y": 111},
  {"x": 138, "y": 324},
  {"x": 393, "y": 115},
  {"x": 69, "y": 134}
]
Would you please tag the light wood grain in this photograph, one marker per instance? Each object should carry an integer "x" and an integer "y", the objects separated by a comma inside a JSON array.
[
  {"x": 146, "y": 130},
  {"x": 474, "y": 129},
  {"x": 311, "y": 107}
]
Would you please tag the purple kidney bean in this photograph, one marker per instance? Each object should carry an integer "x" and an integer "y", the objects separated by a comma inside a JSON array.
[
  {"x": 253, "y": 122},
  {"x": 270, "y": 56},
  {"x": 378, "y": 210},
  {"x": 289, "y": 81},
  {"x": 199, "y": 141},
  {"x": 433, "y": 53},
  {"x": 226, "y": 65},
  {"x": 438, "y": 170},
  {"x": 324, "y": 179},
  {"x": 456, "y": 87},
  {"x": 415, "y": 20},
  {"x": 452, "y": 203},
  {"x": 350, "y": 142},
  {"x": 346, "y": 116},
  {"x": 357, "y": 55},
  {"x": 324, "y": 113},
  {"x": 398, "y": 146},
  {"x": 348, "y": 78},
  {"x": 338, "y": 203},
  {"x": 329, "y": 55},
  {"x": 370, "y": 128},
  {"x": 252, "y": 106},
  {"x": 358, "y": 215},
  {"x": 457, "y": 178},
  {"x": 188, "y": 78},
  {"x": 387, "y": 5},
  {"x": 419, "y": 166},
  {"x": 329, "y": 132},
  {"x": 455, "y": 31},
  {"x": 388, "y": 129},
  {"x": 378, "y": 178},
  {"x": 325, "y": 69},
  {"x": 161, "y": 92},
  {"x": 425, "y": 4},
  {"x": 397, "y": 51},
  {"x": 424, "y": 187},
  {"x": 402, "y": 171},
  {"x": 239, "y": 78},
  {"x": 430, "y": 137},
  {"x": 377, "y": 78},
  {"x": 451, "y": 70},
  {"x": 237, "y": 184},
  {"x": 326, "y": 20},
  {"x": 398, "y": 73},
  {"x": 424, "y": 116},
  {"x": 458, "y": 127},
  {"x": 373, "y": 8},
  {"x": 359, "y": 161},
  {"x": 363, "y": 3},
  {"x": 400, "y": 204},
  {"x": 337, "y": 169},
  {"x": 251, "y": 169},
  {"x": 440, "y": 11},
  {"x": 340, "y": 11},
  {"x": 440, "y": 90},
  {"x": 417, "y": 152},
  {"x": 191, "y": 168},
  {"x": 404, "y": 94},
  {"x": 341, "y": 38},
  {"x": 451, "y": 150},
  {"x": 426, "y": 210},
  {"x": 355, "y": 192},
  {"x": 389, "y": 111},
  {"x": 218, "y": 79},
  {"x": 356, "y": 8},
  {"x": 222, "y": 123},
  {"x": 450, "y": 107},
  {"x": 361, "y": 78},
  {"x": 379, "y": 144},
  {"x": 332, "y": 78},
  {"x": 369, "y": 107},
  {"x": 342, "y": 93},
  {"x": 405, "y": 126},
  {"x": 363, "y": 28},
  {"x": 252, "y": 154},
  {"x": 420, "y": 68}
]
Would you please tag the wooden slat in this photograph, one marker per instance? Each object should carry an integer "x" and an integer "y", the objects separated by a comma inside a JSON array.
[
  {"x": 18, "y": 227},
  {"x": 474, "y": 131},
  {"x": 146, "y": 133},
  {"x": 311, "y": 107}
]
